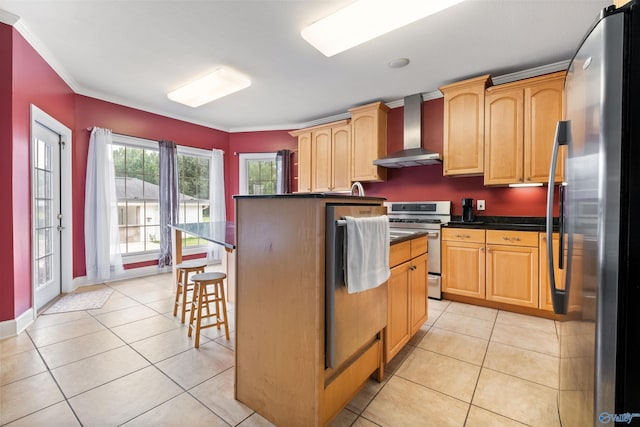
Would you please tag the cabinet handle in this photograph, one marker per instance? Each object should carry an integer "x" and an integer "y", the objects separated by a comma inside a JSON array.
[
  {"x": 481, "y": 249},
  {"x": 463, "y": 236}
]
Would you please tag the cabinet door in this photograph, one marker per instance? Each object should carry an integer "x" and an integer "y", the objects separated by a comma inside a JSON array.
[
  {"x": 341, "y": 158},
  {"x": 463, "y": 144},
  {"x": 369, "y": 141},
  {"x": 512, "y": 275},
  {"x": 304, "y": 163},
  {"x": 545, "y": 292},
  {"x": 397, "y": 332},
  {"x": 463, "y": 268},
  {"x": 504, "y": 137},
  {"x": 321, "y": 164},
  {"x": 418, "y": 292},
  {"x": 543, "y": 106}
]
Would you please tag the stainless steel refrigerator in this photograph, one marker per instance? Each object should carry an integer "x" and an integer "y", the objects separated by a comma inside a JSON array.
[{"x": 599, "y": 227}]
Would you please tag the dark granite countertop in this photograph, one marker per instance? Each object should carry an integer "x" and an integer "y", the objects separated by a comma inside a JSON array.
[
  {"x": 398, "y": 237},
  {"x": 515, "y": 223}
]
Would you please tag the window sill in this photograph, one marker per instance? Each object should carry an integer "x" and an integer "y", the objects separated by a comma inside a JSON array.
[{"x": 153, "y": 256}]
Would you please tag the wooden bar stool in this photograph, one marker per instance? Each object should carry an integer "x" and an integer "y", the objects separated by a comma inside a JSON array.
[
  {"x": 202, "y": 296},
  {"x": 183, "y": 286}
]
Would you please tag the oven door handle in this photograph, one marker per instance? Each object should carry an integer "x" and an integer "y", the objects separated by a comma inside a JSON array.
[{"x": 433, "y": 234}]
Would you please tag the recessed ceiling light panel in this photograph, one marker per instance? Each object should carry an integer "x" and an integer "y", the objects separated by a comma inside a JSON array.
[
  {"x": 221, "y": 82},
  {"x": 364, "y": 20}
]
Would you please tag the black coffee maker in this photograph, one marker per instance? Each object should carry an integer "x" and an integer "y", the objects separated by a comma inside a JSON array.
[{"x": 467, "y": 210}]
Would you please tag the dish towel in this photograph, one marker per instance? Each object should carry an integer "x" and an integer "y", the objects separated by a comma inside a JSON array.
[{"x": 366, "y": 253}]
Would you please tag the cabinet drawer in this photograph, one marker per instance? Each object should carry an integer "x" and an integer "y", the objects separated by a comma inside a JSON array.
[
  {"x": 418, "y": 246},
  {"x": 514, "y": 238},
  {"x": 463, "y": 235},
  {"x": 399, "y": 253}
]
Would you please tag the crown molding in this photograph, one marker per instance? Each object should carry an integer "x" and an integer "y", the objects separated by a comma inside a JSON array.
[
  {"x": 8, "y": 18},
  {"x": 46, "y": 54},
  {"x": 531, "y": 72}
]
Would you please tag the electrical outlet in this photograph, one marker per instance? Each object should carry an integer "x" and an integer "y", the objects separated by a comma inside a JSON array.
[{"x": 480, "y": 205}]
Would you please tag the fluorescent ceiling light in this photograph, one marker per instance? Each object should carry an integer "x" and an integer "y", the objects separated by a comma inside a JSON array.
[
  {"x": 533, "y": 184},
  {"x": 364, "y": 20},
  {"x": 221, "y": 82}
]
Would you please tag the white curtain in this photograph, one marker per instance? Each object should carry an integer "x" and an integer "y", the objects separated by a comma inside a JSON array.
[
  {"x": 102, "y": 241},
  {"x": 217, "y": 210}
]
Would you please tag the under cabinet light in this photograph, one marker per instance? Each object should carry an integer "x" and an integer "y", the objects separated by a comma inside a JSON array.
[
  {"x": 531, "y": 184},
  {"x": 365, "y": 20},
  {"x": 221, "y": 82}
]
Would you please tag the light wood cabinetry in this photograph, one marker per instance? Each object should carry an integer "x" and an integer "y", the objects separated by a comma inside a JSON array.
[
  {"x": 407, "y": 287},
  {"x": 543, "y": 108},
  {"x": 324, "y": 157},
  {"x": 304, "y": 161},
  {"x": 512, "y": 267},
  {"x": 520, "y": 121},
  {"x": 463, "y": 262},
  {"x": 504, "y": 130},
  {"x": 463, "y": 145},
  {"x": 369, "y": 141},
  {"x": 545, "y": 291}
]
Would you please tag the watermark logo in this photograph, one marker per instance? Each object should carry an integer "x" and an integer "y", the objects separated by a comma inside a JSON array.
[{"x": 627, "y": 417}]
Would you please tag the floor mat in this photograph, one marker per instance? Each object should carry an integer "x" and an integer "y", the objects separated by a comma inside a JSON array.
[{"x": 87, "y": 300}]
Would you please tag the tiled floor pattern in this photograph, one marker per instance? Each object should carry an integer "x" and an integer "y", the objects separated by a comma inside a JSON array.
[{"x": 130, "y": 363}]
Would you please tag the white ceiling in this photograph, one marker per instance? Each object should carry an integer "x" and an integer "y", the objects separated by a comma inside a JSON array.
[{"x": 134, "y": 52}]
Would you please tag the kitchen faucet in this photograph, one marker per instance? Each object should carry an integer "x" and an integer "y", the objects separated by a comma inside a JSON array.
[{"x": 357, "y": 186}]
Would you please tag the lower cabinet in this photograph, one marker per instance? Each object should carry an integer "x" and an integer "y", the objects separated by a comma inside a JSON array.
[
  {"x": 512, "y": 267},
  {"x": 499, "y": 265},
  {"x": 463, "y": 262},
  {"x": 407, "y": 287},
  {"x": 545, "y": 291}
]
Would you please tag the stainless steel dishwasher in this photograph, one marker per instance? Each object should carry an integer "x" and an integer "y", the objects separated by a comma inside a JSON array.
[{"x": 351, "y": 320}]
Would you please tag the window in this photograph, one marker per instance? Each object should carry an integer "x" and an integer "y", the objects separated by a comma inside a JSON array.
[
  {"x": 193, "y": 186},
  {"x": 258, "y": 173},
  {"x": 137, "y": 179},
  {"x": 137, "y": 167}
]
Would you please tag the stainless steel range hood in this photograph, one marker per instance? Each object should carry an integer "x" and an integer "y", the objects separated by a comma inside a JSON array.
[{"x": 413, "y": 154}]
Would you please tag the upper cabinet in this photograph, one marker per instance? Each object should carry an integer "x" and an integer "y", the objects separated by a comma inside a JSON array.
[
  {"x": 543, "y": 108},
  {"x": 332, "y": 156},
  {"x": 324, "y": 154},
  {"x": 304, "y": 161},
  {"x": 520, "y": 121},
  {"x": 504, "y": 130},
  {"x": 369, "y": 141},
  {"x": 463, "y": 145}
]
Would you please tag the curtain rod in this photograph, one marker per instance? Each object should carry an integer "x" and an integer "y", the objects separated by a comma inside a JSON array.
[
  {"x": 124, "y": 134},
  {"x": 146, "y": 139}
]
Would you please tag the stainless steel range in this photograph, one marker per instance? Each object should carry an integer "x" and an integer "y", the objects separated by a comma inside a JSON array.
[{"x": 429, "y": 216}]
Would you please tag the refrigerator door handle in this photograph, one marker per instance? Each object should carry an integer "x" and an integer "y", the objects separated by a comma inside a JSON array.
[{"x": 558, "y": 296}]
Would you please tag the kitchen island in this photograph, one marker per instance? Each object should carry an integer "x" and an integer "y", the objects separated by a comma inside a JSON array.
[{"x": 282, "y": 370}]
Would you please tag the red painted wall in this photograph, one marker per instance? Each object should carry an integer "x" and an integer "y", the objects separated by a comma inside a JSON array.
[
  {"x": 257, "y": 142},
  {"x": 6, "y": 215},
  {"x": 32, "y": 81},
  {"x": 428, "y": 183},
  {"x": 129, "y": 121}
]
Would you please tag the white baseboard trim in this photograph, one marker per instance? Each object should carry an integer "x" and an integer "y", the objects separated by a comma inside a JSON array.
[{"x": 11, "y": 328}]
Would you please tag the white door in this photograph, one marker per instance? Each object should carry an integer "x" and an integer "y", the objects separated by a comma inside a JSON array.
[{"x": 46, "y": 214}]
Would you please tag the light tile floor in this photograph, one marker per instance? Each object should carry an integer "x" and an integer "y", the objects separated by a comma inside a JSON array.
[{"x": 131, "y": 363}]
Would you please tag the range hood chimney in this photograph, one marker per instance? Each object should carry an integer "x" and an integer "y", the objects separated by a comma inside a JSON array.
[{"x": 413, "y": 154}]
